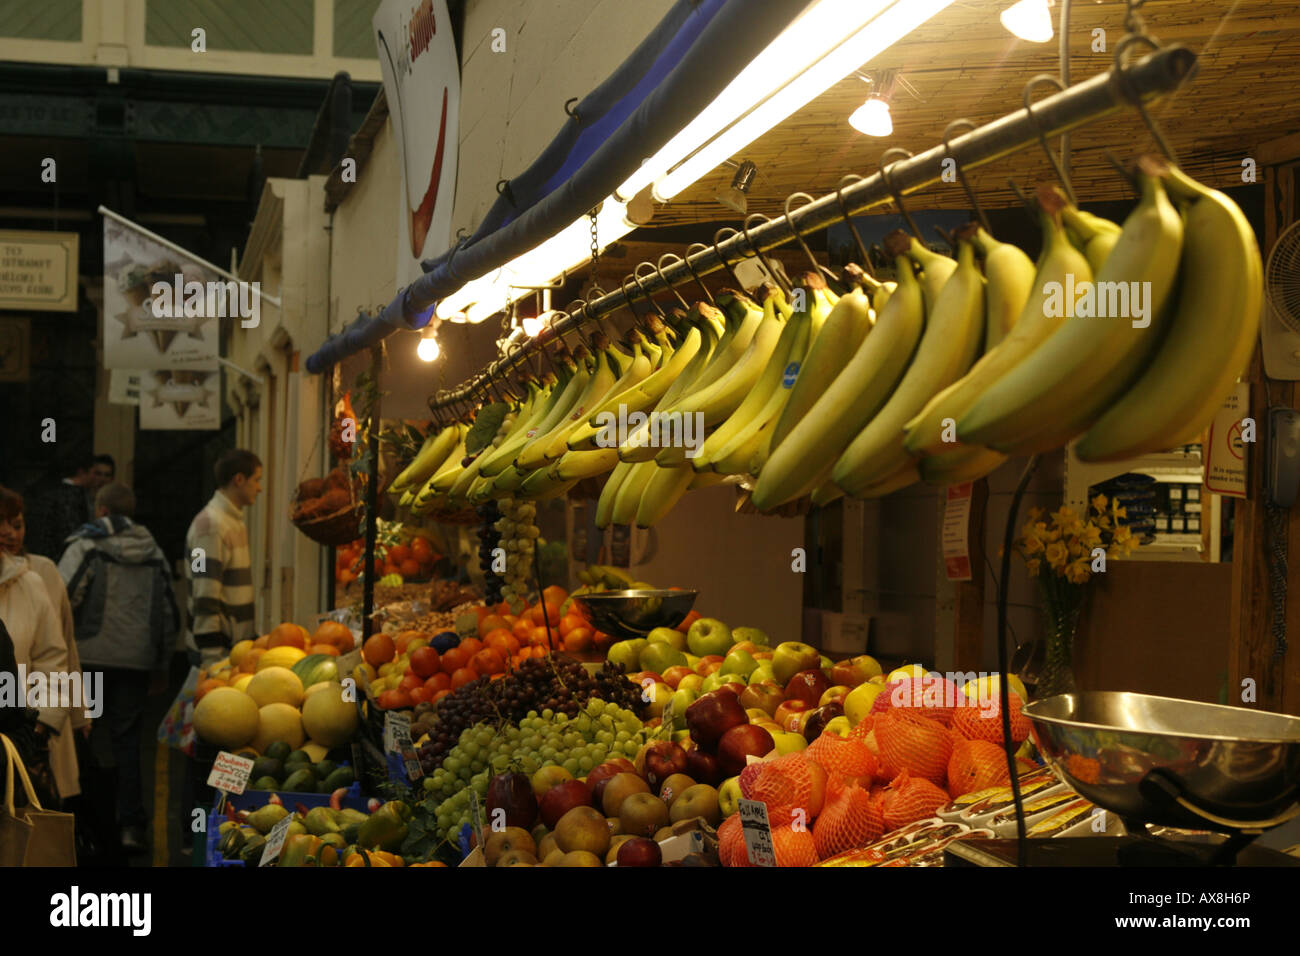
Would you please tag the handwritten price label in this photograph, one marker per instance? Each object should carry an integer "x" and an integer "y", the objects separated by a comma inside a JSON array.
[
  {"x": 230, "y": 773},
  {"x": 757, "y": 830}
]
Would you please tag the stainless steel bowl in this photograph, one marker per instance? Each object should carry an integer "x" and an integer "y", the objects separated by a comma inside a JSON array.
[
  {"x": 1174, "y": 762},
  {"x": 630, "y": 614}
]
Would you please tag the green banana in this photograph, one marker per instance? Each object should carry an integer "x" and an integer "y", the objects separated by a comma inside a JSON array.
[
  {"x": 1078, "y": 371},
  {"x": 1210, "y": 338},
  {"x": 556, "y": 443},
  {"x": 441, "y": 481},
  {"x": 795, "y": 465},
  {"x": 906, "y": 475},
  {"x": 560, "y": 396},
  {"x": 953, "y": 335},
  {"x": 529, "y": 444},
  {"x": 963, "y": 463}
]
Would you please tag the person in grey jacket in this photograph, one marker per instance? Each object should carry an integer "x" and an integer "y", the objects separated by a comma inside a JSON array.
[{"x": 126, "y": 623}]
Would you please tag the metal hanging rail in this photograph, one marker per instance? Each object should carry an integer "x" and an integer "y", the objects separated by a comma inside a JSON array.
[{"x": 1102, "y": 95}]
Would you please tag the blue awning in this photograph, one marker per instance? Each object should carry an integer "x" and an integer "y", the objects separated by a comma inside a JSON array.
[{"x": 685, "y": 62}]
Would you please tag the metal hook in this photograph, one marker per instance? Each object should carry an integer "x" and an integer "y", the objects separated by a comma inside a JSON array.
[
  {"x": 1124, "y": 173},
  {"x": 690, "y": 251},
  {"x": 961, "y": 173},
  {"x": 640, "y": 320},
  {"x": 848, "y": 221},
  {"x": 659, "y": 268},
  {"x": 1052, "y": 158},
  {"x": 1120, "y": 78},
  {"x": 1030, "y": 207},
  {"x": 753, "y": 247},
  {"x": 721, "y": 258},
  {"x": 636, "y": 274},
  {"x": 817, "y": 266},
  {"x": 578, "y": 319},
  {"x": 894, "y": 193}
]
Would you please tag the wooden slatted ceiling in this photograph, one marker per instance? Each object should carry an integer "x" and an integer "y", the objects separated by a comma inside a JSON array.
[{"x": 964, "y": 64}]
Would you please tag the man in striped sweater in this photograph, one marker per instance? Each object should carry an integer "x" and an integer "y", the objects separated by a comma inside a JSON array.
[{"x": 220, "y": 566}]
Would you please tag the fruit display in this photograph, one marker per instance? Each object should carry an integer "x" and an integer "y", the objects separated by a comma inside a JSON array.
[
  {"x": 400, "y": 553},
  {"x": 320, "y": 836},
  {"x": 280, "y": 768},
  {"x": 489, "y": 539}
]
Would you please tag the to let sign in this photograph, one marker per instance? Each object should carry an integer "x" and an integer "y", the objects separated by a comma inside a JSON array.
[{"x": 38, "y": 270}]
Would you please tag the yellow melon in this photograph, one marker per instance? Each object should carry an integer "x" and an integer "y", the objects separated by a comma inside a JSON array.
[
  {"x": 239, "y": 652},
  {"x": 282, "y": 656},
  {"x": 320, "y": 685},
  {"x": 241, "y": 682},
  {"x": 227, "y": 718},
  {"x": 329, "y": 719},
  {"x": 275, "y": 685},
  {"x": 317, "y": 750},
  {"x": 278, "y": 722}
]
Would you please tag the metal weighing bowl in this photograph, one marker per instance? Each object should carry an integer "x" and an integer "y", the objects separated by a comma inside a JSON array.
[
  {"x": 631, "y": 614},
  {"x": 1177, "y": 763}
]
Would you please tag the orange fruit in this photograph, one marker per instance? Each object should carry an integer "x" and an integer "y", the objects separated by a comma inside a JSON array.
[
  {"x": 471, "y": 646},
  {"x": 690, "y": 619},
  {"x": 329, "y": 649},
  {"x": 404, "y": 638},
  {"x": 579, "y": 639},
  {"x": 421, "y": 550},
  {"x": 441, "y": 694},
  {"x": 332, "y": 632},
  {"x": 249, "y": 664},
  {"x": 570, "y": 621},
  {"x": 491, "y": 623},
  {"x": 488, "y": 661},
  {"x": 437, "y": 682},
  {"x": 294, "y": 635},
  {"x": 506, "y": 644},
  {"x": 453, "y": 660},
  {"x": 410, "y": 569},
  {"x": 399, "y": 553},
  {"x": 462, "y": 677},
  {"x": 211, "y": 683},
  {"x": 379, "y": 649},
  {"x": 522, "y": 629},
  {"x": 482, "y": 612},
  {"x": 539, "y": 637},
  {"x": 555, "y": 595}
]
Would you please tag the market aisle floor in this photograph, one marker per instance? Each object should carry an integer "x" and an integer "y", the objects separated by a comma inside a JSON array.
[{"x": 162, "y": 777}]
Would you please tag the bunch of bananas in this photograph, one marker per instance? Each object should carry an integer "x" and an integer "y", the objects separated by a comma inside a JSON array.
[{"x": 936, "y": 377}]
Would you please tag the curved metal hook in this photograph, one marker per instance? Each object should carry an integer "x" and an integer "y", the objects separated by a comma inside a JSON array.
[
  {"x": 721, "y": 258},
  {"x": 961, "y": 173},
  {"x": 579, "y": 319},
  {"x": 695, "y": 275},
  {"x": 659, "y": 268},
  {"x": 894, "y": 193},
  {"x": 817, "y": 266},
  {"x": 1052, "y": 158},
  {"x": 753, "y": 247},
  {"x": 636, "y": 274},
  {"x": 848, "y": 221},
  {"x": 1120, "y": 78}
]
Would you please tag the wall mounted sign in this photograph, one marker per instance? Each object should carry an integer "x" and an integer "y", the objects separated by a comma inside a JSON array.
[{"x": 38, "y": 270}]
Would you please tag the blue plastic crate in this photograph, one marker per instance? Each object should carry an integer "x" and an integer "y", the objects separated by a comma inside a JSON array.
[
  {"x": 213, "y": 856},
  {"x": 251, "y": 799}
]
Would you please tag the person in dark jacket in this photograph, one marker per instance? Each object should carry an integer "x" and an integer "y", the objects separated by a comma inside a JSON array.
[
  {"x": 56, "y": 511},
  {"x": 126, "y": 624}
]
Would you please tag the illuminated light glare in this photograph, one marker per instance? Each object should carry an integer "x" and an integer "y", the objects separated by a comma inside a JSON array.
[
  {"x": 533, "y": 325},
  {"x": 1029, "y": 20},
  {"x": 873, "y": 118},
  {"x": 870, "y": 36},
  {"x": 428, "y": 349}
]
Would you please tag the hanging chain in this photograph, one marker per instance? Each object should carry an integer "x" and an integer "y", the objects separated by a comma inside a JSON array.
[
  {"x": 1132, "y": 18},
  {"x": 1277, "y": 573},
  {"x": 595, "y": 244}
]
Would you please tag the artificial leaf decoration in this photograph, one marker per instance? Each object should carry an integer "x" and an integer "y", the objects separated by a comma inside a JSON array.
[{"x": 486, "y": 423}]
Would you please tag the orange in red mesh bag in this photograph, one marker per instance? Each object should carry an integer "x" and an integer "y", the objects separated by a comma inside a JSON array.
[
  {"x": 974, "y": 765},
  {"x": 913, "y": 798},
  {"x": 794, "y": 847},
  {"x": 914, "y": 743},
  {"x": 731, "y": 843},
  {"x": 975, "y": 722},
  {"x": 843, "y": 755},
  {"x": 932, "y": 696},
  {"x": 785, "y": 784},
  {"x": 846, "y": 821}
]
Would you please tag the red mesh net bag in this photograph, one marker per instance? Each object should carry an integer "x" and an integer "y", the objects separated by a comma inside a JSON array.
[
  {"x": 784, "y": 784},
  {"x": 974, "y": 765},
  {"x": 976, "y": 723},
  {"x": 914, "y": 798},
  {"x": 731, "y": 843},
  {"x": 932, "y": 696},
  {"x": 846, "y": 821},
  {"x": 793, "y": 847},
  {"x": 863, "y": 727},
  {"x": 913, "y": 743},
  {"x": 843, "y": 755}
]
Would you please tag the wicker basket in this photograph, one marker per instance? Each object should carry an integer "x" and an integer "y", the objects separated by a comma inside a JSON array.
[{"x": 335, "y": 529}]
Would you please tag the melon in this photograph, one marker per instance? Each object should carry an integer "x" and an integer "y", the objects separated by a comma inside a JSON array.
[
  {"x": 275, "y": 685},
  {"x": 318, "y": 686},
  {"x": 278, "y": 722},
  {"x": 329, "y": 719},
  {"x": 227, "y": 718},
  {"x": 239, "y": 652},
  {"x": 241, "y": 682},
  {"x": 282, "y": 656},
  {"x": 316, "y": 750},
  {"x": 315, "y": 668}
]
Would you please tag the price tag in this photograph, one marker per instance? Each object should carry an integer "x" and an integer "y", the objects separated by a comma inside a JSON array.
[
  {"x": 956, "y": 530},
  {"x": 230, "y": 773},
  {"x": 275, "y": 841},
  {"x": 668, "y": 713},
  {"x": 758, "y": 832},
  {"x": 397, "y": 730},
  {"x": 476, "y": 811},
  {"x": 346, "y": 663}
]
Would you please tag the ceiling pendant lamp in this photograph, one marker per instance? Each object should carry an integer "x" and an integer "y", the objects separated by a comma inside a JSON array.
[{"x": 1029, "y": 20}]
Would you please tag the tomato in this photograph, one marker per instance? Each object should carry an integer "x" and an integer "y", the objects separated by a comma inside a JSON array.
[
  {"x": 462, "y": 677},
  {"x": 437, "y": 682},
  {"x": 399, "y": 553},
  {"x": 421, "y": 550},
  {"x": 488, "y": 661},
  {"x": 396, "y": 699},
  {"x": 425, "y": 662},
  {"x": 453, "y": 660}
]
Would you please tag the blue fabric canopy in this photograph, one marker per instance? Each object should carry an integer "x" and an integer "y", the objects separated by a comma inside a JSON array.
[{"x": 685, "y": 62}]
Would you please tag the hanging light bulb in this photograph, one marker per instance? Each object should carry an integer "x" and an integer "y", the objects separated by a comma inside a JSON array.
[
  {"x": 1029, "y": 20},
  {"x": 873, "y": 117},
  {"x": 533, "y": 325},
  {"x": 428, "y": 350}
]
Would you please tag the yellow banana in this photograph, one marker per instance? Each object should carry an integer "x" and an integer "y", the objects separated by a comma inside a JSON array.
[
  {"x": 432, "y": 453},
  {"x": 1010, "y": 280},
  {"x": 935, "y": 270},
  {"x": 530, "y": 454},
  {"x": 440, "y": 481},
  {"x": 1209, "y": 341},
  {"x": 560, "y": 397},
  {"x": 609, "y": 494},
  {"x": 628, "y": 498},
  {"x": 906, "y": 475},
  {"x": 1097, "y": 236},
  {"x": 663, "y": 490},
  {"x": 556, "y": 443},
  {"x": 953, "y": 335},
  {"x": 963, "y": 463},
  {"x": 586, "y": 464}
]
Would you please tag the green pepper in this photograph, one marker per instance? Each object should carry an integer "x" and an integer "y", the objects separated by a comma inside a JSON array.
[{"x": 386, "y": 828}]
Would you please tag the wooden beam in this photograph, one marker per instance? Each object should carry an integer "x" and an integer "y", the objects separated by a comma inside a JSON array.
[{"x": 1284, "y": 149}]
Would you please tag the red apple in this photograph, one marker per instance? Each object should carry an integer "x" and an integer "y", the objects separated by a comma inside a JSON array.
[
  {"x": 819, "y": 718},
  {"x": 730, "y": 686},
  {"x": 766, "y": 696},
  {"x": 663, "y": 758},
  {"x": 711, "y": 716},
  {"x": 749, "y": 647},
  {"x": 674, "y": 674},
  {"x": 763, "y": 655},
  {"x": 807, "y": 686},
  {"x": 641, "y": 677},
  {"x": 709, "y": 664},
  {"x": 738, "y": 743},
  {"x": 639, "y": 851},
  {"x": 562, "y": 798},
  {"x": 513, "y": 793},
  {"x": 702, "y": 767},
  {"x": 600, "y": 775},
  {"x": 838, "y": 692},
  {"x": 789, "y": 714}
]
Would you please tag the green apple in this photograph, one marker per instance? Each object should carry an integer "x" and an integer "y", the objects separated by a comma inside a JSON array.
[
  {"x": 839, "y": 726},
  {"x": 692, "y": 660},
  {"x": 791, "y": 657},
  {"x": 659, "y": 657},
  {"x": 627, "y": 653},
  {"x": 788, "y": 743},
  {"x": 708, "y": 636},
  {"x": 738, "y": 662},
  {"x": 826, "y": 664},
  {"x": 691, "y": 682},
  {"x": 753, "y": 634},
  {"x": 904, "y": 672},
  {"x": 763, "y": 672},
  {"x": 730, "y": 679},
  {"x": 660, "y": 695},
  {"x": 681, "y": 736},
  {"x": 990, "y": 688},
  {"x": 858, "y": 703},
  {"x": 666, "y": 635},
  {"x": 681, "y": 700},
  {"x": 710, "y": 684},
  {"x": 729, "y": 796}
]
